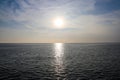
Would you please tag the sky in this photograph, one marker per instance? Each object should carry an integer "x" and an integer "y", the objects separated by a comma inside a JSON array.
[{"x": 31, "y": 21}]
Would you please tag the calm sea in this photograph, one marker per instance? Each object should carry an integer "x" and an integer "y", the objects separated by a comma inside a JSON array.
[{"x": 60, "y": 61}]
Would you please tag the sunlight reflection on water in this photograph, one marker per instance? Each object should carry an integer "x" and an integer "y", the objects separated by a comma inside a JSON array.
[{"x": 59, "y": 53}]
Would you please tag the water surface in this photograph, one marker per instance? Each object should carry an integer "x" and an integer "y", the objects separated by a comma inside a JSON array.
[{"x": 60, "y": 61}]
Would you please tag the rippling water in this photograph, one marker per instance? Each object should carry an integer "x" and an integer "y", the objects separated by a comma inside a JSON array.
[{"x": 60, "y": 61}]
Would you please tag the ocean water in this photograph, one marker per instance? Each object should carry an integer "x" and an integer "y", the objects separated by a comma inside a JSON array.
[{"x": 60, "y": 61}]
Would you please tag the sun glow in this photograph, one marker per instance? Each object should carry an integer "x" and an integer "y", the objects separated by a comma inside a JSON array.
[{"x": 58, "y": 23}]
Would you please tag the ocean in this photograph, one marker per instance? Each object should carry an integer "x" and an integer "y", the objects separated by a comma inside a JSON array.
[{"x": 60, "y": 61}]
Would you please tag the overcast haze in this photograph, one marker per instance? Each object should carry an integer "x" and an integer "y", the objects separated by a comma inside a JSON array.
[{"x": 31, "y": 21}]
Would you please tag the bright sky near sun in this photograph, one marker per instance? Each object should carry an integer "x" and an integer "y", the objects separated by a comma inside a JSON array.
[
  {"x": 59, "y": 23},
  {"x": 48, "y": 21}
]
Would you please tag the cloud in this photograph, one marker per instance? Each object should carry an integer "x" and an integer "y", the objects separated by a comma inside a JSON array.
[{"x": 39, "y": 13}]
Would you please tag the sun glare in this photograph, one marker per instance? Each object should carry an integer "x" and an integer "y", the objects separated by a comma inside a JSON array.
[{"x": 58, "y": 23}]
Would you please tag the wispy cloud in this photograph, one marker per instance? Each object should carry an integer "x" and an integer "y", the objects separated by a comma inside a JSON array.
[{"x": 38, "y": 13}]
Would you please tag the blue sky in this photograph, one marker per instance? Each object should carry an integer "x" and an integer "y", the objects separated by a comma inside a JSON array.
[{"x": 31, "y": 21}]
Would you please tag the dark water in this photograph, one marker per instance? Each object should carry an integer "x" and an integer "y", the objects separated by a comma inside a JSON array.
[{"x": 60, "y": 61}]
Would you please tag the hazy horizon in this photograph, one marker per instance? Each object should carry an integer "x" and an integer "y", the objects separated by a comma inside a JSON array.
[{"x": 62, "y": 42}]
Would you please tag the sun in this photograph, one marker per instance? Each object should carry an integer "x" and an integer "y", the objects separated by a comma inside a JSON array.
[{"x": 58, "y": 23}]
